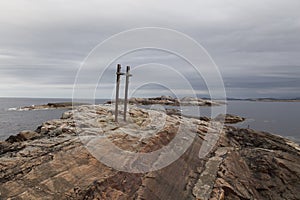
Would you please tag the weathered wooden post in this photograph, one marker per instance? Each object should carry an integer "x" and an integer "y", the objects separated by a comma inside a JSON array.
[
  {"x": 126, "y": 90},
  {"x": 117, "y": 91}
]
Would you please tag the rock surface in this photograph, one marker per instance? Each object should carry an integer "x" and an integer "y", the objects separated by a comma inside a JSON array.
[
  {"x": 167, "y": 100},
  {"x": 243, "y": 164}
]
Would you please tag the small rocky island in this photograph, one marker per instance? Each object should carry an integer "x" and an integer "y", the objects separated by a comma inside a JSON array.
[
  {"x": 52, "y": 162},
  {"x": 162, "y": 100},
  {"x": 171, "y": 101},
  {"x": 58, "y": 105}
]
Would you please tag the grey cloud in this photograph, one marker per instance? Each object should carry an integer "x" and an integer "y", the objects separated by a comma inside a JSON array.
[{"x": 254, "y": 43}]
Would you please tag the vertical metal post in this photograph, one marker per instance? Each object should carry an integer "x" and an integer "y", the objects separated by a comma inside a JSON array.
[
  {"x": 126, "y": 91},
  {"x": 117, "y": 91}
]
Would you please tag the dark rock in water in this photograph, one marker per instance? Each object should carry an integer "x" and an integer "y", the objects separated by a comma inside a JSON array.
[
  {"x": 229, "y": 119},
  {"x": 242, "y": 164},
  {"x": 59, "y": 105}
]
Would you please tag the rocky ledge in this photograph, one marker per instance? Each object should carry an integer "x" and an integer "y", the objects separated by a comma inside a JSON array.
[
  {"x": 52, "y": 162},
  {"x": 225, "y": 118},
  {"x": 171, "y": 101}
]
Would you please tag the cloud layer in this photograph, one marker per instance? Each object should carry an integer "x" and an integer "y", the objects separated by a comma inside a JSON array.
[{"x": 254, "y": 43}]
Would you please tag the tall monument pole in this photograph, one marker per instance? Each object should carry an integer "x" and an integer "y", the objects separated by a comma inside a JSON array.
[
  {"x": 117, "y": 91},
  {"x": 126, "y": 91}
]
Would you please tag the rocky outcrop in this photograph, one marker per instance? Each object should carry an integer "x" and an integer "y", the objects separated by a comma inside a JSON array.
[
  {"x": 186, "y": 101},
  {"x": 167, "y": 100},
  {"x": 243, "y": 164},
  {"x": 257, "y": 165},
  {"x": 223, "y": 118},
  {"x": 229, "y": 119},
  {"x": 23, "y": 136}
]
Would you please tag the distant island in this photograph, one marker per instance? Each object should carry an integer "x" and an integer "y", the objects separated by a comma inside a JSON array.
[
  {"x": 162, "y": 100},
  {"x": 56, "y": 105},
  {"x": 266, "y": 99},
  {"x": 172, "y": 101}
]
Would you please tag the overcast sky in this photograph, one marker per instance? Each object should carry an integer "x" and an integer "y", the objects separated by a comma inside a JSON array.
[{"x": 255, "y": 44}]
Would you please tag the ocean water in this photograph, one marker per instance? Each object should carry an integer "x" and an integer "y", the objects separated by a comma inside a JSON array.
[
  {"x": 281, "y": 118},
  {"x": 13, "y": 121}
]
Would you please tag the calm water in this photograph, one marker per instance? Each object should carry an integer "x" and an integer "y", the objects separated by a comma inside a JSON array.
[
  {"x": 12, "y": 122},
  {"x": 282, "y": 118}
]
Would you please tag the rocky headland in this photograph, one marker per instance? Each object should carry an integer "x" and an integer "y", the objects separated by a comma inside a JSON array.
[{"x": 53, "y": 162}]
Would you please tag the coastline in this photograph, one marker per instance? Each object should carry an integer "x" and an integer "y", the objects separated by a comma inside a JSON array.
[
  {"x": 266, "y": 100},
  {"x": 49, "y": 160}
]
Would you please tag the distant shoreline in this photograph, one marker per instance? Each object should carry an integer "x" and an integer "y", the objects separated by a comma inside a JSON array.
[{"x": 265, "y": 100}]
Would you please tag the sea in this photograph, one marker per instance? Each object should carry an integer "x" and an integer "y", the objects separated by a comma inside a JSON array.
[{"x": 281, "y": 118}]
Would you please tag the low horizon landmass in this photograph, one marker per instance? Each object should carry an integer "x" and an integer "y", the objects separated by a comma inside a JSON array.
[{"x": 267, "y": 99}]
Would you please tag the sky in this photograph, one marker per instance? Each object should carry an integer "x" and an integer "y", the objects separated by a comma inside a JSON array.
[{"x": 255, "y": 45}]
